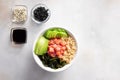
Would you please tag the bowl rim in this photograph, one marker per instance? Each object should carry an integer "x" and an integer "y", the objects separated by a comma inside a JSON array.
[
  {"x": 39, "y": 62},
  {"x": 38, "y": 5}
]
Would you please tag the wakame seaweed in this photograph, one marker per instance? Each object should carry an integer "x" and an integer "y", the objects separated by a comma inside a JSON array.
[{"x": 52, "y": 62}]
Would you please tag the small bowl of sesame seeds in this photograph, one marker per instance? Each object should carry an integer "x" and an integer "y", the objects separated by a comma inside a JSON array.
[
  {"x": 40, "y": 13},
  {"x": 19, "y": 14}
]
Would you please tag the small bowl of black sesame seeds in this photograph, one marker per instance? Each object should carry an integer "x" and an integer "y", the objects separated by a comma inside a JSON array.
[{"x": 40, "y": 13}]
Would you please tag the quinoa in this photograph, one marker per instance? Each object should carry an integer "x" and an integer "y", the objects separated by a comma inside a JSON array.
[{"x": 71, "y": 49}]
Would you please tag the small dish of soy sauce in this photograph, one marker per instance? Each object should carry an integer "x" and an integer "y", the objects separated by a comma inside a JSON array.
[
  {"x": 18, "y": 35},
  {"x": 40, "y": 13}
]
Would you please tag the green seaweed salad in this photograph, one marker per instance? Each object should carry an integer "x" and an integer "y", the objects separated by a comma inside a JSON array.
[
  {"x": 51, "y": 62},
  {"x": 41, "y": 48}
]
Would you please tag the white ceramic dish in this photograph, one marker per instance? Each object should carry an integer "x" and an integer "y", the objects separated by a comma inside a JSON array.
[{"x": 39, "y": 62}]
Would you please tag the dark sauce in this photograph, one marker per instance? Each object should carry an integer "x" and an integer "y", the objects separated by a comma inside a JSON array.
[{"x": 19, "y": 36}]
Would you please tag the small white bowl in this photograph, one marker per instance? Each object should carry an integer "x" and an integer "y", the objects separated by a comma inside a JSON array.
[
  {"x": 39, "y": 62},
  {"x": 35, "y": 7}
]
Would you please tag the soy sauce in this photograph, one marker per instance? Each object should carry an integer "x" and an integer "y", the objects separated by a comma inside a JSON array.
[{"x": 19, "y": 36}]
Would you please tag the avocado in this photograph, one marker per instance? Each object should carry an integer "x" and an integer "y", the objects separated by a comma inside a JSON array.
[
  {"x": 41, "y": 46},
  {"x": 55, "y": 33}
]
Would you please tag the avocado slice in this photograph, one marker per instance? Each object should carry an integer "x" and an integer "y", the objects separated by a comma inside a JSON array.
[
  {"x": 55, "y": 33},
  {"x": 61, "y": 34},
  {"x": 41, "y": 46}
]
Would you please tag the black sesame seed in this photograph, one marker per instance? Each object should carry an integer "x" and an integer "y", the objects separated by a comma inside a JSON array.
[{"x": 40, "y": 14}]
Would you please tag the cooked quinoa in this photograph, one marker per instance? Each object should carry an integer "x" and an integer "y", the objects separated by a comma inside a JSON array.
[{"x": 71, "y": 49}]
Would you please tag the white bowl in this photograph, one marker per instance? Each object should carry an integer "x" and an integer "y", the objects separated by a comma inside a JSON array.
[
  {"x": 35, "y": 7},
  {"x": 39, "y": 62}
]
